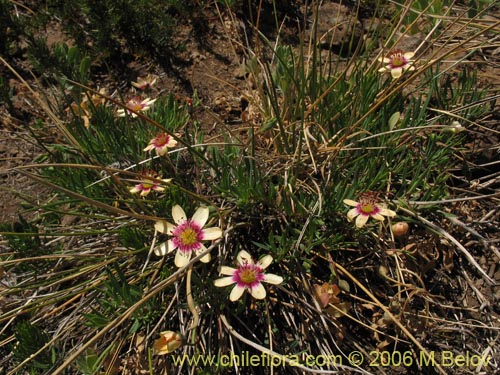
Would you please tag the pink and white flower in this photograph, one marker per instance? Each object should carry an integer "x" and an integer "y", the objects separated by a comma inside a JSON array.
[
  {"x": 397, "y": 61},
  {"x": 148, "y": 183},
  {"x": 136, "y": 104},
  {"x": 367, "y": 207},
  {"x": 161, "y": 143},
  {"x": 145, "y": 83},
  {"x": 248, "y": 276},
  {"x": 187, "y": 235}
]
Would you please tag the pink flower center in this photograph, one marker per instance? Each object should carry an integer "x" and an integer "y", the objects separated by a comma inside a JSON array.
[
  {"x": 161, "y": 140},
  {"x": 397, "y": 59},
  {"x": 188, "y": 236},
  {"x": 143, "y": 85},
  {"x": 368, "y": 203},
  {"x": 248, "y": 275},
  {"x": 135, "y": 104}
]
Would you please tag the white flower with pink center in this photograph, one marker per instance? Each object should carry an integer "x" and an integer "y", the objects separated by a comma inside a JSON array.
[
  {"x": 397, "y": 61},
  {"x": 161, "y": 143},
  {"x": 367, "y": 207},
  {"x": 146, "y": 187},
  {"x": 136, "y": 104},
  {"x": 187, "y": 235},
  {"x": 149, "y": 182},
  {"x": 248, "y": 276},
  {"x": 146, "y": 82}
]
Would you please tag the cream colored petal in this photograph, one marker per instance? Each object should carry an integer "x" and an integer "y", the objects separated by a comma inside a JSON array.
[
  {"x": 161, "y": 151},
  {"x": 409, "y": 55},
  {"x": 225, "y": 270},
  {"x": 158, "y": 188},
  {"x": 149, "y": 147},
  {"x": 243, "y": 257},
  {"x": 265, "y": 261},
  {"x": 387, "y": 212},
  {"x": 135, "y": 189},
  {"x": 171, "y": 246},
  {"x": 181, "y": 258},
  {"x": 236, "y": 293},
  {"x": 163, "y": 226},
  {"x": 411, "y": 67},
  {"x": 383, "y": 69},
  {"x": 171, "y": 143},
  {"x": 273, "y": 279},
  {"x": 350, "y": 202},
  {"x": 161, "y": 250},
  {"x": 378, "y": 217},
  {"x": 145, "y": 192},
  {"x": 352, "y": 214},
  {"x": 206, "y": 258},
  {"x": 211, "y": 233},
  {"x": 396, "y": 72},
  {"x": 224, "y": 281},
  {"x": 258, "y": 292},
  {"x": 178, "y": 214},
  {"x": 165, "y": 248},
  {"x": 361, "y": 220},
  {"x": 200, "y": 217}
]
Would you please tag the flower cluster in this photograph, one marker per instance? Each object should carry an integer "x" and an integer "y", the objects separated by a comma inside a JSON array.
[
  {"x": 161, "y": 143},
  {"x": 187, "y": 236}
]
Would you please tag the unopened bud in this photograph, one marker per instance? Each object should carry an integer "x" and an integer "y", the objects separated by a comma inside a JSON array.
[
  {"x": 167, "y": 343},
  {"x": 400, "y": 229},
  {"x": 455, "y": 127},
  {"x": 382, "y": 271}
]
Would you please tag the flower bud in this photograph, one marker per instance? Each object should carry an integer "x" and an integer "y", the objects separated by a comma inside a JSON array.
[
  {"x": 400, "y": 229},
  {"x": 167, "y": 343},
  {"x": 455, "y": 127},
  {"x": 382, "y": 271},
  {"x": 326, "y": 293}
]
